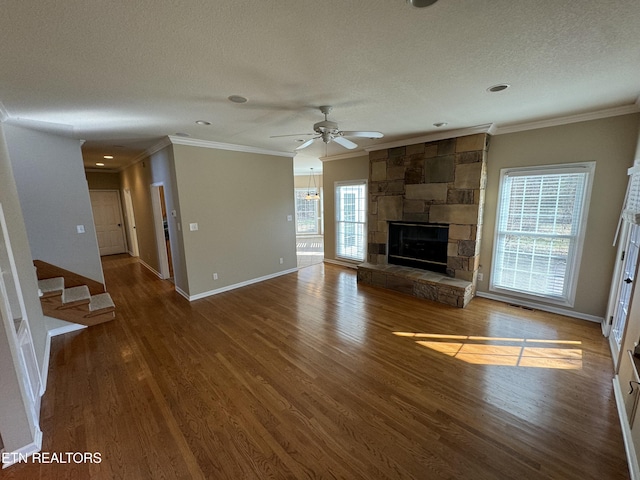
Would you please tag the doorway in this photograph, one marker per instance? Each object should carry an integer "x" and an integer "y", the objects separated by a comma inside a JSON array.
[
  {"x": 107, "y": 216},
  {"x": 131, "y": 224},
  {"x": 161, "y": 224},
  {"x": 624, "y": 285}
]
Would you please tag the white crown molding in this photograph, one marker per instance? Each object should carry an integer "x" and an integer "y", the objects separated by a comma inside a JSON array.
[
  {"x": 344, "y": 156},
  {"x": 434, "y": 137},
  {"x": 194, "y": 142},
  {"x": 46, "y": 127},
  {"x": 163, "y": 143},
  {"x": 581, "y": 117},
  {"x": 4, "y": 115}
]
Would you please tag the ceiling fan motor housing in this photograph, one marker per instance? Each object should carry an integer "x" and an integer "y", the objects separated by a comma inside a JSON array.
[{"x": 326, "y": 126}]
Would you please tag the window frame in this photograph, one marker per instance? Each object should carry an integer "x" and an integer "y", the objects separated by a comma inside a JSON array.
[
  {"x": 317, "y": 204},
  {"x": 574, "y": 257},
  {"x": 337, "y": 206}
]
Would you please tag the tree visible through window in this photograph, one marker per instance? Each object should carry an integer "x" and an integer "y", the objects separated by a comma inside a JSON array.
[
  {"x": 539, "y": 230},
  {"x": 350, "y": 220}
]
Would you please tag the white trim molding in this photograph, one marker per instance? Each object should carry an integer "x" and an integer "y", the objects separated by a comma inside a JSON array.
[
  {"x": 632, "y": 458},
  {"x": 24, "y": 452},
  {"x": 580, "y": 117},
  {"x": 434, "y": 137},
  {"x": 341, "y": 263},
  {"x": 194, "y": 142},
  {"x": 238, "y": 285},
  {"x": 540, "y": 306},
  {"x": 150, "y": 268}
]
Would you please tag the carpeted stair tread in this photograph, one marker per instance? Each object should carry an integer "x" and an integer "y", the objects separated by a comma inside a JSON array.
[
  {"x": 75, "y": 294},
  {"x": 101, "y": 301},
  {"x": 49, "y": 285}
]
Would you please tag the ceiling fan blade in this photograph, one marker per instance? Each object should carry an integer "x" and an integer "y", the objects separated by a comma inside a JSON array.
[
  {"x": 292, "y": 135},
  {"x": 363, "y": 134},
  {"x": 345, "y": 143},
  {"x": 305, "y": 144}
]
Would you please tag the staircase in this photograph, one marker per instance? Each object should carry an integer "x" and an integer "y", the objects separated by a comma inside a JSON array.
[{"x": 73, "y": 303}]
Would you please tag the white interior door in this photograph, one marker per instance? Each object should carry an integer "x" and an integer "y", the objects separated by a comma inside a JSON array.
[
  {"x": 625, "y": 289},
  {"x": 107, "y": 216}
]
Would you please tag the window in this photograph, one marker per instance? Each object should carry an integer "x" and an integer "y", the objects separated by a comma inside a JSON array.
[
  {"x": 351, "y": 214},
  {"x": 306, "y": 213},
  {"x": 539, "y": 230}
]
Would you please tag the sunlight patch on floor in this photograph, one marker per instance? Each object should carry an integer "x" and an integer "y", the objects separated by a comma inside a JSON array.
[{"x": 503, "y": 351}]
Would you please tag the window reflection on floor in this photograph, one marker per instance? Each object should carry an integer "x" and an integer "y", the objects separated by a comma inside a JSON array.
[{"x": 513, "y": 352}]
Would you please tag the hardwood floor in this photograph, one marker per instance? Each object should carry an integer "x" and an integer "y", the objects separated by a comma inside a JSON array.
[{"x": 311, "y": 376}]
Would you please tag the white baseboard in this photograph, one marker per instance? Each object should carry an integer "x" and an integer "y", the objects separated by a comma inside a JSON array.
[
  {"x": 238, "y": 285},
  {"x": 181, "y": 292},
  {"x": 341, "y": 263},
  {"x": 150, "y": 268},
  {"x": 632, "y": 458},
  {"x": 539, "y": 306},
  {"x": 24, "y": 452}
]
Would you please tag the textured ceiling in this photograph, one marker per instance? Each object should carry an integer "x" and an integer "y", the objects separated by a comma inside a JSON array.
[{"x": 121, "y": 75}]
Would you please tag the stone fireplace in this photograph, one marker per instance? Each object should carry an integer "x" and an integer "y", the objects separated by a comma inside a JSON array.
[{"x": 441, "y": 183}]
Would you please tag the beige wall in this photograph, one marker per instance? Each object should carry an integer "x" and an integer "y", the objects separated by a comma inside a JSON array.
[
  {"x": 611, "y": 143},
  {"x": 356, "y": 168},
  {"x": 54, "y": 197},
  {"x": 240, "y": 202},
  {"x": 103, "y": 181}
]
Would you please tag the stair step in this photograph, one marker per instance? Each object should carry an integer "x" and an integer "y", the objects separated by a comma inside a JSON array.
[
  {"x": 100, "y": 302},
  {"x": 75, "y": 296},
  {"x": 51, "y": 286}
]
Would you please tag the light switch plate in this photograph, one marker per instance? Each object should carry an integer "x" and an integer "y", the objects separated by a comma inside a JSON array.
[
  {"x": 193, "y": 227},
  {"x": 80, "y": 228}
]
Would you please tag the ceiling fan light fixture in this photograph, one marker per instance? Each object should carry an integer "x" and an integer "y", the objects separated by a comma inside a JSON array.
[
  {"x": 312, "y": 195},
  {"x": 421, "y": 3}
]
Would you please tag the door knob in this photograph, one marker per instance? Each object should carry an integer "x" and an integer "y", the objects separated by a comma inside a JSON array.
[{"x": 628, "y": 280}]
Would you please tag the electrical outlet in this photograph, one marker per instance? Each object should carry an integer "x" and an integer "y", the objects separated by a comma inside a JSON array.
[
  {"x": 480, "y": 277},
  {"x": 289, "y": 218},
  {"x": 281, "y": 260},
  {"x": 215, "y": 276}
]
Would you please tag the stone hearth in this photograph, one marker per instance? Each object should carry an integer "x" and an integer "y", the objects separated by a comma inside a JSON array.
[{"x": 436, "y": 182}]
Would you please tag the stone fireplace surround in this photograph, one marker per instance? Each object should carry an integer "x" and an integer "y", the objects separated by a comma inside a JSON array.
[{"x": 435, "y": 182}]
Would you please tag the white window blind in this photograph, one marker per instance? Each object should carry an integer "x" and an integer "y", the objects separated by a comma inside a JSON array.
[
  {"x": 539, "y": 230},
  {"x": 351, "y": 217}
]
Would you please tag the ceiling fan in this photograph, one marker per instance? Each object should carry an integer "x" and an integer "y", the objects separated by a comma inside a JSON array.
[{"x": 328, "y": 131}]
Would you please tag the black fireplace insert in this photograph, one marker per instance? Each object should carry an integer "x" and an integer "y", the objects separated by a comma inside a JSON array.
[{"x": 419, "y": 245}]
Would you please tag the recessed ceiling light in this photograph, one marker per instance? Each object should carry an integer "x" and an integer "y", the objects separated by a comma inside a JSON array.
[
  {"x": 440, "y": 124},
  {"x": 421, "y": 3},
  {"x": 181, "y": 134},
  {"x": 237, "y": 99},
  {"x": 203, "y": 122},
  {"x": 498, "y": 88},
  {"x": 108, "y": 157},
  {"x": 100, "y": 164}
]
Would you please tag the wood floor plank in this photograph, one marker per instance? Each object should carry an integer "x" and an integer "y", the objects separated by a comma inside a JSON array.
[{"x": 312, "y": 376}]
